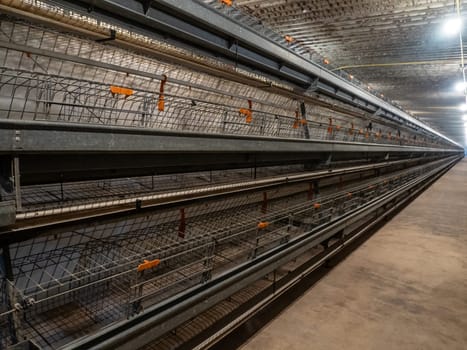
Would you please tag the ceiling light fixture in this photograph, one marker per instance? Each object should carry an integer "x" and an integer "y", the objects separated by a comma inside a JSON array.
[
  {"x": 452, "y": 26},
  {"x": 460, "y": 86}
]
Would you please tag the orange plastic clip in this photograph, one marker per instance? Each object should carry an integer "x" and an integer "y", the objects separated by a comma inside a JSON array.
[
  {"x": 161, "y": 102},
  {"x": 330, "y": 126},
  {"x": 289, "y": 39},
  {"x": 316, "y": 205},
  {"x": 148, "y": 264},
  {"x": 226, "y": 2},
  {"x": 117, "y": 90},
  {"x": 296, "y": 122},
  {"x": 262, "y": 225},
  {"x": 248, "y": 113}
]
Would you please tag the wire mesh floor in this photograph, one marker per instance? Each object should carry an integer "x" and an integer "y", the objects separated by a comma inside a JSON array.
[{"x": 113, "y": 191}]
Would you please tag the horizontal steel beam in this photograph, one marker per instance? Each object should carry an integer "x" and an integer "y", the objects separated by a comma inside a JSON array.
[{"x": 30, "y": 137}]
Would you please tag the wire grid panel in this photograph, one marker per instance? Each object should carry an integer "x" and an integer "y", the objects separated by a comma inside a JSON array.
[
  {"x": 42, "y": 88},
  {"x": 70, "y": 284},
  {"x": 53, "y": 41},
  {"x": 85, "y": 194},
  {"x": 7, "y": 329},
  {"x": 92, "y": 272}
]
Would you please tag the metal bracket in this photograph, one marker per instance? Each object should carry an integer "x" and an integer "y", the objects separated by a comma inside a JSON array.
[
  {"x": 146, "y": 5},
  {"x": 7, "y": 213},
  {"x": 377, "y": 112},
  {"x": 313, "y": 86},
  {"x": 17, "y": 140}
]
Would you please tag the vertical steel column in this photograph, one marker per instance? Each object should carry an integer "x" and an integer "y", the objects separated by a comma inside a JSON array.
[
  {"x": 304, "y": 121},
  {"x": 264, "y": 205},
  {"x": 182, "y": 224},
  {"x": 316, "y": 188},
  {"x": 310, "y": 191},
  {"x": 13, "y": 321},
  {"x": 17, "y": 181}
]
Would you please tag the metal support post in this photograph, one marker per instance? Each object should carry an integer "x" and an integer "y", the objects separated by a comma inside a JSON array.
[
  {"x": 310, "y": 191},
  {"x": 304, "y": 120},
  {"x": 315, "y": 188},
  {"x": 17, "y": 181},
  {"x": 13, "y": 319},
  {"x": 182, "y": 224},
  {"x": 264, "y": 206}
]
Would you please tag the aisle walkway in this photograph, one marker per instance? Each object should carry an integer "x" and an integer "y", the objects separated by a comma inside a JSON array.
[{"x": 405, "y": 288}]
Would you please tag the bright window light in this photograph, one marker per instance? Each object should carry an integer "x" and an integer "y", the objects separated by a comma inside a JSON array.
[
  {"x": 464, "y": 117},
  {"x": 463, "y": 107},
  {"x": 452, "y": 26},
  {"x": 460, "y": 86}
]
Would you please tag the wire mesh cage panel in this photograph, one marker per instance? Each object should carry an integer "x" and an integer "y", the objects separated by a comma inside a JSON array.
[
  {"x": 82, "y": 81},
  {"x": 57, "y": 198},
  {"x": 7, "y": 332},
  {"x": 71, "y": 283}
]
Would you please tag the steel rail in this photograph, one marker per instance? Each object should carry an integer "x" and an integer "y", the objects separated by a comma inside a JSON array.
[{"x": 33, "y": 136}]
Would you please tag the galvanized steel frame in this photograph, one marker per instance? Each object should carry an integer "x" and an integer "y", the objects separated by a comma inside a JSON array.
[
  {"x": 164, "y": 317},
  {"x": 199, "y": 24}
]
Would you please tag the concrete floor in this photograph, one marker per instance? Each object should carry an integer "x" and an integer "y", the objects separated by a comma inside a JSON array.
[{"x": 405, "y": 288}]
